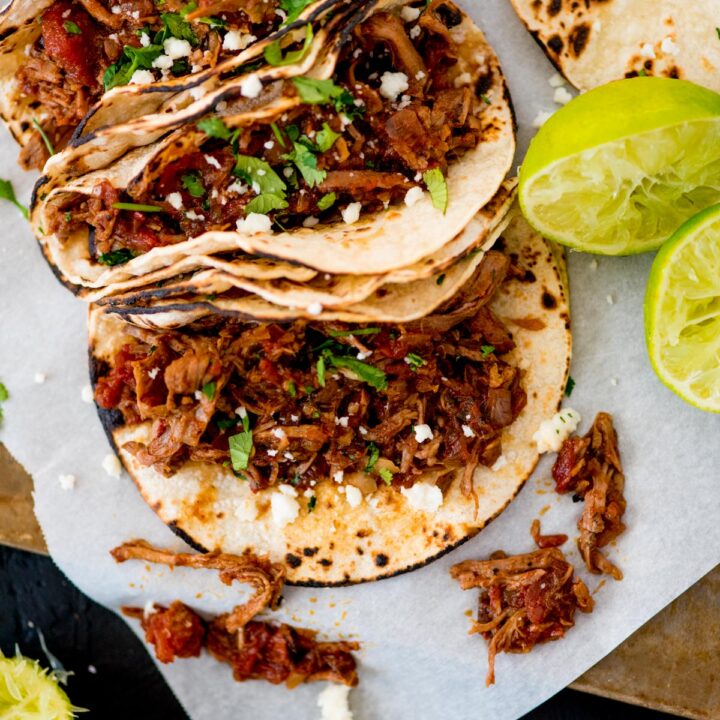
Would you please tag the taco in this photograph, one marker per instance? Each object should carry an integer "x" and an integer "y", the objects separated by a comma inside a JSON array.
[
  {"x": 593, "y": 43},
  {"x": 349, "y": 452},
  {"x": 373, "y": 161},
  {"x": 58, "y": 58}
]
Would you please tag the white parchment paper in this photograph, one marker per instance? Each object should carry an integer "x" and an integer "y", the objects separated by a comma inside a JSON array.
[{"x": 417, "y": 659}]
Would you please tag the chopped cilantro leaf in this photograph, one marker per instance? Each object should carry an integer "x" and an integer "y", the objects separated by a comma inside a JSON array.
[
  {"x": 570, "y": 386},
  {"x": 357, "y": 331},
  {"x": 214, "y": 127},
  {"x": 178, "y": 27},
  {"x": 274, "y": 55},
  {"x": 241, "y": 446},
  {"x": 373, "y": 376},
  {"x": 132, "y": 59},
  {"x": 386, "y": 475},
  {"x": 312, "y": 502},
  {"x": 7, "y": 192},
  {"x": 326, "y": 138},
  {"x": 326, "y": 201},
  {"x": 72, "y": 28},
  {"x": 44, "y": 136},
  {"x": 373, "y": 457},
  {"x": 116, "y": 257},
  {"x": 278, "y": 134},
  {"x": 213, "y": 22},
  {"x": 193, "y": 184},
  {"x": 258, "y": 173},
  {"x": 414, "y": 361},
  {"x": 293, "y": 8},
  {"x": 4, "y": 395},
  {"x": 292, "y": 389},
  {"x": 265, "y": 203},
  {"x": 136, "y": 207},
  {"x": 321, "y": 371},
  {"x": 440, "y": 279},
  {"x": 208, "y": 390},
  {"x": 437, "y": 187},
  {"x": 306, "y": 163},
  {"x": 487, "y": 350},
  {"x": 323, "y": 92},
  {"x": 486, "y": 99}
]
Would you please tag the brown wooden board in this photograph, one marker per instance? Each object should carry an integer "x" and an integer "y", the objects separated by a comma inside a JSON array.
[{"x": 672, "y": 663}]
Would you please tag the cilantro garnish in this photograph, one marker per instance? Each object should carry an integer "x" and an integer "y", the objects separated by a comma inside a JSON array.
[
  {"x": 178, "y": 27},
  {"x": 208, "y": 390},
  {"x": 116, "y": 257},
  {"x": 487, "y": 350},
  {"x": 386, "y": 475},
  {"x": 570, "y": 386},
  {"x": 241, "y": 446},
  {"x": 193, "y": 184},
  {"x": 437, "y": 187},
  {"x": 214, "y": 127},
  {"x": 278, "y": 134},
  {"x": 323, "y": 92},
  {"x": 312, "y": 502},
  {"x": 137, "y": 207},
  {"x": 326, "y": 201},
  {"x": 259, "y": 173},
  {"x": 373, "y": 376},
  {"x": 414, "y": 361},
  {"x": 440, "y": 279},
  {"x": 4, "y": 395},
  {"x": 357, "y": 331},
  {"x": 320, "y": 367},
  {"x": 265, "y": 203},
  {"x": 274, "y": 55},
  {"x": 44, "y": 136},
  {"x": 72, "y": 28},
  {"x": 373, "y": 457},
  {"x": 213, "y": 22},
  {"x": 292, "y": 389},
  {"x": 326, "y": 138},
  {"x": 7, "y": 192},
  {"x": 293, "y": 8},
  {"x": 306, "y": 163}
]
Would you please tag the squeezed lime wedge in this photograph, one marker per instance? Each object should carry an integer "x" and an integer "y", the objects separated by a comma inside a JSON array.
[{"x": 620, "y": 168}]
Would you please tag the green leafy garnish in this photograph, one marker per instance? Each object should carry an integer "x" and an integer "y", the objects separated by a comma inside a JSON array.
[
  {"x": 193, "y": 184},
  {"x": 440, "y": 279},
  {"x": 4, "y": 395},
  {"x": 7, "y": 192},
  {"x": 72, "y": 28},
  {"x": 208, "y": 390},
  {"x": 178, "y": 27},
  {"x": 259, "y": 173},
  {"x": 373, "y": 376},
  {"x": 323, "y": 92},
  {"x": 278, "y": 134},
  {"x": 265, "y": 203},
  {"x": 214, "y": 127},
  {"x": 320, "y": 367},
  {"x": 414, "y": 361},
  {"x": 357, "y": 331},
  {"x": 225, "y": 423},
  {"x": 437, "y": 187},
  {"x": 312, "y": 502},
  {"x": 306, "y": 163},
  {"x": 486, "y": 99},
  {"x": 241, "y": 446},
  {"x": 274, "y": 55},
  {"x": 132, "y": 59},
  {"x": 570, "y": 386},
  {"x": 326, "y": 138},
  {"x": 136, "y": 207},
  {"x": 326, "y": 201},
  {"x": 292, "y": 389},
  {"x": 487, "y": 350},
  {"x": 386, "y": 475},
  {"x": 44, "y": 136},
  {"x": 116, "y": 257},
  {"x": 293, "y": 8},
  {"x": 213, "y": 22},
  {"x": 373, "y": 457}
]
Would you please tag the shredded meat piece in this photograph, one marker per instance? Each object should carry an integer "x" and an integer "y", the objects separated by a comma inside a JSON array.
[
  {"x": 545, "y": 541},
  {"x": 307, "y": 425},
  {"x": 175, "y": 631},
  {"x": 266, "y": 578},
  {"x": 255, "y": 650},
  {"x": 590, "y": 467},
  {"x": 281, "y": 654},
  {"x": 525, "y": 599}
]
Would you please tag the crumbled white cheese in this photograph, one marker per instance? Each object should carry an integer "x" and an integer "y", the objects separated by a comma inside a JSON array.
[
  {"x": 413, "y": 195},
  {"x": 163, "y": 62},
  {"x": 288, "y": 455},
  {"x": 175, "y": 199},
  {"x": 364, "y": 355},
  {"x": 597, "y": 26},
  {"x": 499, "y": 464},
  {"x": 240, "y": 411},
  {"x": 562, "y": 96},
  {"x": 235, "y": 40},
  {"x": 414, "y": 31},
  {"x": 363, "y": 430},
  {"x": 309, "y": 222},
  {"x": 288, "y": 490},
  {"x": 198, "y": 395},
  {"x": 111, "y": 465},
  {"x": 279, "y": 433},
  {"x": 116, "y": 9},
  {"x": 315, "y": 308},
  {"x": 614, "y": 382},
  {"x": 353, "y": 496},
  {"x": 647, "y": 51},
  {"x": 553, "y": 432},
  {"x": 176, "y": 48},
  {"x": 338, "y": 476},
  {"x": 393, "y": 84},
  {"x": 351, "y": 214},
  {"x": 668, "y": 46},
  {"x": 67, "y": 482},
  {"x": 556, "y": 80},
  {"x": 373, "y": 501},
  {"x": 254, "y": 223},
  {"x": 246, "y": 510},
  {"x": 294, "y": 418},
  {"x": 87, "y": 394},
  {"x": 342, "y": 421},
  {"x": 468, "y": 431},
  {"x": 541, "y": 118},
  {"x": 152, "y": 374},
  {"x": 213, "y": 161},
  {"x": 192, "y": 215},
  {"x": 142, "y": 77},
  {"x": 40, "y": 378},
  {"x": 610, "y": 300},
  {"x": 198, "y": 92},
  {"x": 423, "y": 432},
  {"x": 284, "y": 509},
  {"x": 271, "y": 452},
  {"x": 410, "y": 14},
  {"x": 237, "y": 187},
  {"x": 462, "y": 80},
  {"x": 423, "y": 496},
  {"x": 144, "y": 39},
  {"x": 149, "y": 609},
  {"x": 251, "y": 86}
]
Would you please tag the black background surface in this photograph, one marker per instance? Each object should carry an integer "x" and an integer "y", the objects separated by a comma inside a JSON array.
[{"x": 126, "y": 685}]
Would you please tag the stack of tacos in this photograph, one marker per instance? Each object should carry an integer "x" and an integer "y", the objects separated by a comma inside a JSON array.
[{"x": 318, "y": 328}]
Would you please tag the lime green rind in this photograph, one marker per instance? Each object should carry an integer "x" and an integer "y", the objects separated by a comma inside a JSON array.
[
  {"x": 28, "y": 692},
  {"x": 689, "y": 259}
]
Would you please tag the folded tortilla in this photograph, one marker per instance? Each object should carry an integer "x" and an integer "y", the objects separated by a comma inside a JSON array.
[
  {"x": 593, "y": 43},
  {"x": 336, "y": 542}
]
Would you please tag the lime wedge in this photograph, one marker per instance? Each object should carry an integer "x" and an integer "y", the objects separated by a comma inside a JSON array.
[
  {"x": 28, "y": 692},
  {"x": 620, "y": 168},
  {"x": 682, "y": 311}
]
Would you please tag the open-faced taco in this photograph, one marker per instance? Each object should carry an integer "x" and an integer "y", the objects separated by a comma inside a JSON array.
[
  {"x": 373, "y": 161},
  {"x": 593, "y": 43},
  {"x": 60, "y": 59},
  {"x": 349, "y": 451}
]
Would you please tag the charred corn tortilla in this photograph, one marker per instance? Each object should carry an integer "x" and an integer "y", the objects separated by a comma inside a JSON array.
[
  {"x": 339, "y": 544},
  {"x": 593, "y": 43}
]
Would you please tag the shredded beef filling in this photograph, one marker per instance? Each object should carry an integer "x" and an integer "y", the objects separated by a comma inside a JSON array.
[
  {"x": 256, "y": 651},
  {"x": 590, "y": 468},
  {"x": 304, "y": 402},
  {"x": 524, "y": 600},
  {"x": 362, "y": 145},
  {"x": 67, "y": 67}
]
